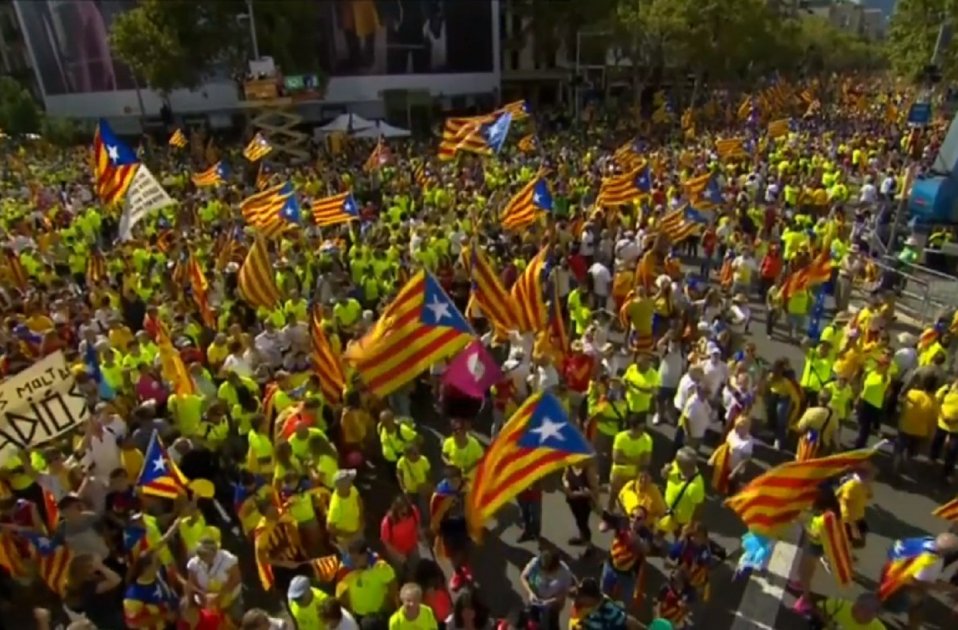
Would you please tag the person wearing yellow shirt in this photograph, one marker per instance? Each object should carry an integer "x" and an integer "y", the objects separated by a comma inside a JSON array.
[
  {"x": 917, "y": 421},
  {"x": 642, "y": 493},
  {"x": 462, "y": 450},
  {"x": 631, "y": 450},
  {"x": 840, "y": 396},
  {"x": 871, "y": 400},
  {"x": 412, "y": 614},
  {"x": 946, "y": 434},
  {"x": 120, "y": 335},
  {"x": 817, "y": 370},
  {"x": 853, "y": 493},
  {"x": 186, "y": 410},
  {"x": 641, "y": 382},
  {"x": 684, "y": 491},
  {"x": 395, "y": 436},
  {"x": 306, "y": 604},
  {"x": 344, "y": 518},
  {"x": 217, "y": 352},
  {"x": 260, "y": 455},
  {"x": 820, "y": 426},
  {"x": 369, "y": 588},
  {"x": 841, "y": 614},
  {"x": 413, "y": 472}
]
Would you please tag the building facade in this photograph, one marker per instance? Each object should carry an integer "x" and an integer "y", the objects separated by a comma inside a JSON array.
[
  {"x": 447, "y": 48},
  {"x": 14, "y": 54}
]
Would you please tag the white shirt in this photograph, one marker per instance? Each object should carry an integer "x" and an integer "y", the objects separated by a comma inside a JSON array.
[
  {"x": 585, "y": 243},
  {"x": 868, "y": 194},
  {"x": 906, "y": 359},
  {"x": 685, "y": 389},
  {"x": 739, "y": 316},
  {"x": 601, "y": 279},
  {"x": 296, "y": 336},
  {"x": 546, "y": 378},
  {"x": 888, "y": 185},
  {"x": 237, "y": 364},
  {"x": 212, "y": 577},
  {"x": 627, "y": 250},
  {"x": 740, "y": 449},
  {"x": 348, "y": 622},
  {"x": 715, "y": 374},
  {"x": 269, "y": 345},
  {"x": 670, "y": 367},
  {"x": 698, "y": 415},
  {"x": 103, "y": 453}
]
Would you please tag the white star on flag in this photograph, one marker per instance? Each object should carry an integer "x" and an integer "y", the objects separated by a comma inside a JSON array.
[
  {"x": 113, "y": 152},
  {"x": 549, "y": 429},
  {"x": 537, "y": 198},
  {"x": 159, "y": 465},
  {"x": 439, "y": 309}
]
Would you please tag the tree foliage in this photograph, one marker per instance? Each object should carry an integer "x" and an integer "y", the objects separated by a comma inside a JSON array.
[
  {"x": 913, "y": 33},
  {"x": 19, "y": 112},
  {"x": 171, "y": 45}
]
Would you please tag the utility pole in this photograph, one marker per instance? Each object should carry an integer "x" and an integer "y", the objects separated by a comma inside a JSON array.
[{"x": 252, "y": 28}]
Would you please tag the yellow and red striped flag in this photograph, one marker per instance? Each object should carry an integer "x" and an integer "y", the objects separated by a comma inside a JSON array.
[
  {"x": 263, "y": 176},
  {"x": 258, "y": 148},
  {"x": 378, "y": 158},
  {"x": 178, "y": 139},
  {"x": 18, "y": 275},
  {"x": 201, "y": 292},
  {"x": 948, "y": 511},
  {"x": 528, "y": 295},
  {"x": 775, "y": 499},
  {"x": 730, "y": 148},
  {"x": 420, "y": 327},
  {"x": 838, "y": 550},
  {"x": 487, "y": 291},
  {"x": 327, "y": 363},
  {"x": 171, "y": 365},
  {"x": 528, "y": 143},
  {"x": 95, "y": 267},
  {"x": 721, "y": 467},
  {"x": 779, "y": 128},
  {"x": 255, "y": 280}
]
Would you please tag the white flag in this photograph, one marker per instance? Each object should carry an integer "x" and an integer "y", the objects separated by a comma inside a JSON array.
[{"x": 144, "y": 196}]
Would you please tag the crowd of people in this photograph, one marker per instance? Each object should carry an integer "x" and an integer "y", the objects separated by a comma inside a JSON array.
[{"x": 305, "y": 509}]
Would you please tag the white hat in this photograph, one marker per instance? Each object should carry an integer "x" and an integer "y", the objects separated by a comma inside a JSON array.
[
  {"x": 344, "y": 474},
  {"x": 298, "y": 587}
]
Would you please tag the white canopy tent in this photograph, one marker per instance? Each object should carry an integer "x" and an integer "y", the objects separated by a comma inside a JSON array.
[
  {"x": 345, "y": 123},
  {"x": 384, "y": 129}
]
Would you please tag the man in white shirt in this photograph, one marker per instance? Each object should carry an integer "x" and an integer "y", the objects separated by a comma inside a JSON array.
[
  {"x": 714, "y": 372},
  {"x": 601, "y": 283},
  {"x": 545, "y": 378},
  {"x": 695, "y": 419},
  {"x": 868, "y": 193},
  {"x": 269, "y": 345},
  {"x": 627, "y": 250},
  {"x": 518, "y": 369},
  {"x": 687, "y": 385},
  {"x": 296, "y": 334}
]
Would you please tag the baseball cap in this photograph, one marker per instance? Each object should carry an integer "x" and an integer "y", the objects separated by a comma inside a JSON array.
[{"x": 298, "y": 587}]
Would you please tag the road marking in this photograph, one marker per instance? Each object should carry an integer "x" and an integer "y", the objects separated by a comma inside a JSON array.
[{"x": 764, "y": 595}]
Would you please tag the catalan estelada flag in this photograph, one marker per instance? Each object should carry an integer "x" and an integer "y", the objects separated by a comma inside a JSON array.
[
  {"x": 483, "y": 135},
  {"x": 263, "y": 175},
  {"x": 488, "y": 294},
  {"x": 114, "y": 165},
  {"x": 327, "y": 363},
  {"x": 537, "y": 440},
  {"x": 558, "y": 336},
  {"x": 200, "y": 289},
  {"x": 817, "y": 272},
  {"x": 378, "y": 158},
  {"x": 213, "y": 176},
  {"x": 275, "y": 540},
  {"x": 178, "y": 139},
  {"x": 519, "y": 110},
  {"x": 53, "y": 560},
  {"x": 160, "y": 476},
  {"x": 272, "y": 211},
  {"x": 776, "y": 498},
  {"x": 681, "y": 223},
  {"x": 948, "y": 511},
  {"x": 906, "y": 559},
  {"x": 625, "y": 188},
  {"x": 629, "y": 156},
  {"x": 171, "y": 365},
  {"x": 525, "y": 205},
  {"x": 838, "y": 551},
  {"x": 258, "y": 148},
  {"x": 334, "y": 210},
  {"x": 779, "y": 128},
  {"x": 255, "y": 279},
  {"x": 418, "y": 328},
  {"x": 96, "y": 271},
  {"x": 528, "y": 295}
]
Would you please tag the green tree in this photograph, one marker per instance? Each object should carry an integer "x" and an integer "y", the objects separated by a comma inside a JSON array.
[
  {"x": 913, "y": 33},
  {"x": 19, "y": 112},
  {"x": 171, "y": 45}
]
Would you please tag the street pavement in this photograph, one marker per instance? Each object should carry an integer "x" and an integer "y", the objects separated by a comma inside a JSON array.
[{"x": 901, "y": 508}]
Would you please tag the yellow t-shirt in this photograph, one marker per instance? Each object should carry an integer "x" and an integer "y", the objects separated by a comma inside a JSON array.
[
  {"x": 948, "y": 415},
  {"x": 853, "y": 495},
  {"x": 464, "y": 458},
  {"x": 874, "y": 387},
  {"x": 631, "y": 447},
  {"x": 412, "y": 475},
  {"x": 344, "y": 512},
  {"x": 132, "y": 462},
  {"x": 425, "y": 621},
  {"x": 649, "y": 498},
  {"x": 840, "y": 613},
  {"x": 368, "y": 588},
  {"x": 640, "y": 401},
  {"x": 684, "y": 508},
  {"x": 919, "y": 414}
]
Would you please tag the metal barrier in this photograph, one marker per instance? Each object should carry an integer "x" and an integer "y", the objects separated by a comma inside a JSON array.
[{"x": 922, "y": 293}]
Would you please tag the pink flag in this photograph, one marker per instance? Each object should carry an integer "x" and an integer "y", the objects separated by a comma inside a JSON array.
[{"x": 473, "y": 371}]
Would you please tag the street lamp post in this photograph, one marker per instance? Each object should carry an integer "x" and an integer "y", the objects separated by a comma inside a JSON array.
[{"x": 252, "y": 28}]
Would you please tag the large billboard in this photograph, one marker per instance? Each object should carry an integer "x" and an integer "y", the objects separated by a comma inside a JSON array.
[
  {"x": 394, "y": 37},
  {"x": 70, "y": 44}
]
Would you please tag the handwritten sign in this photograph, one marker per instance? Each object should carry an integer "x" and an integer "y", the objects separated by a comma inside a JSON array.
[{"x": 38, "y": 405}]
